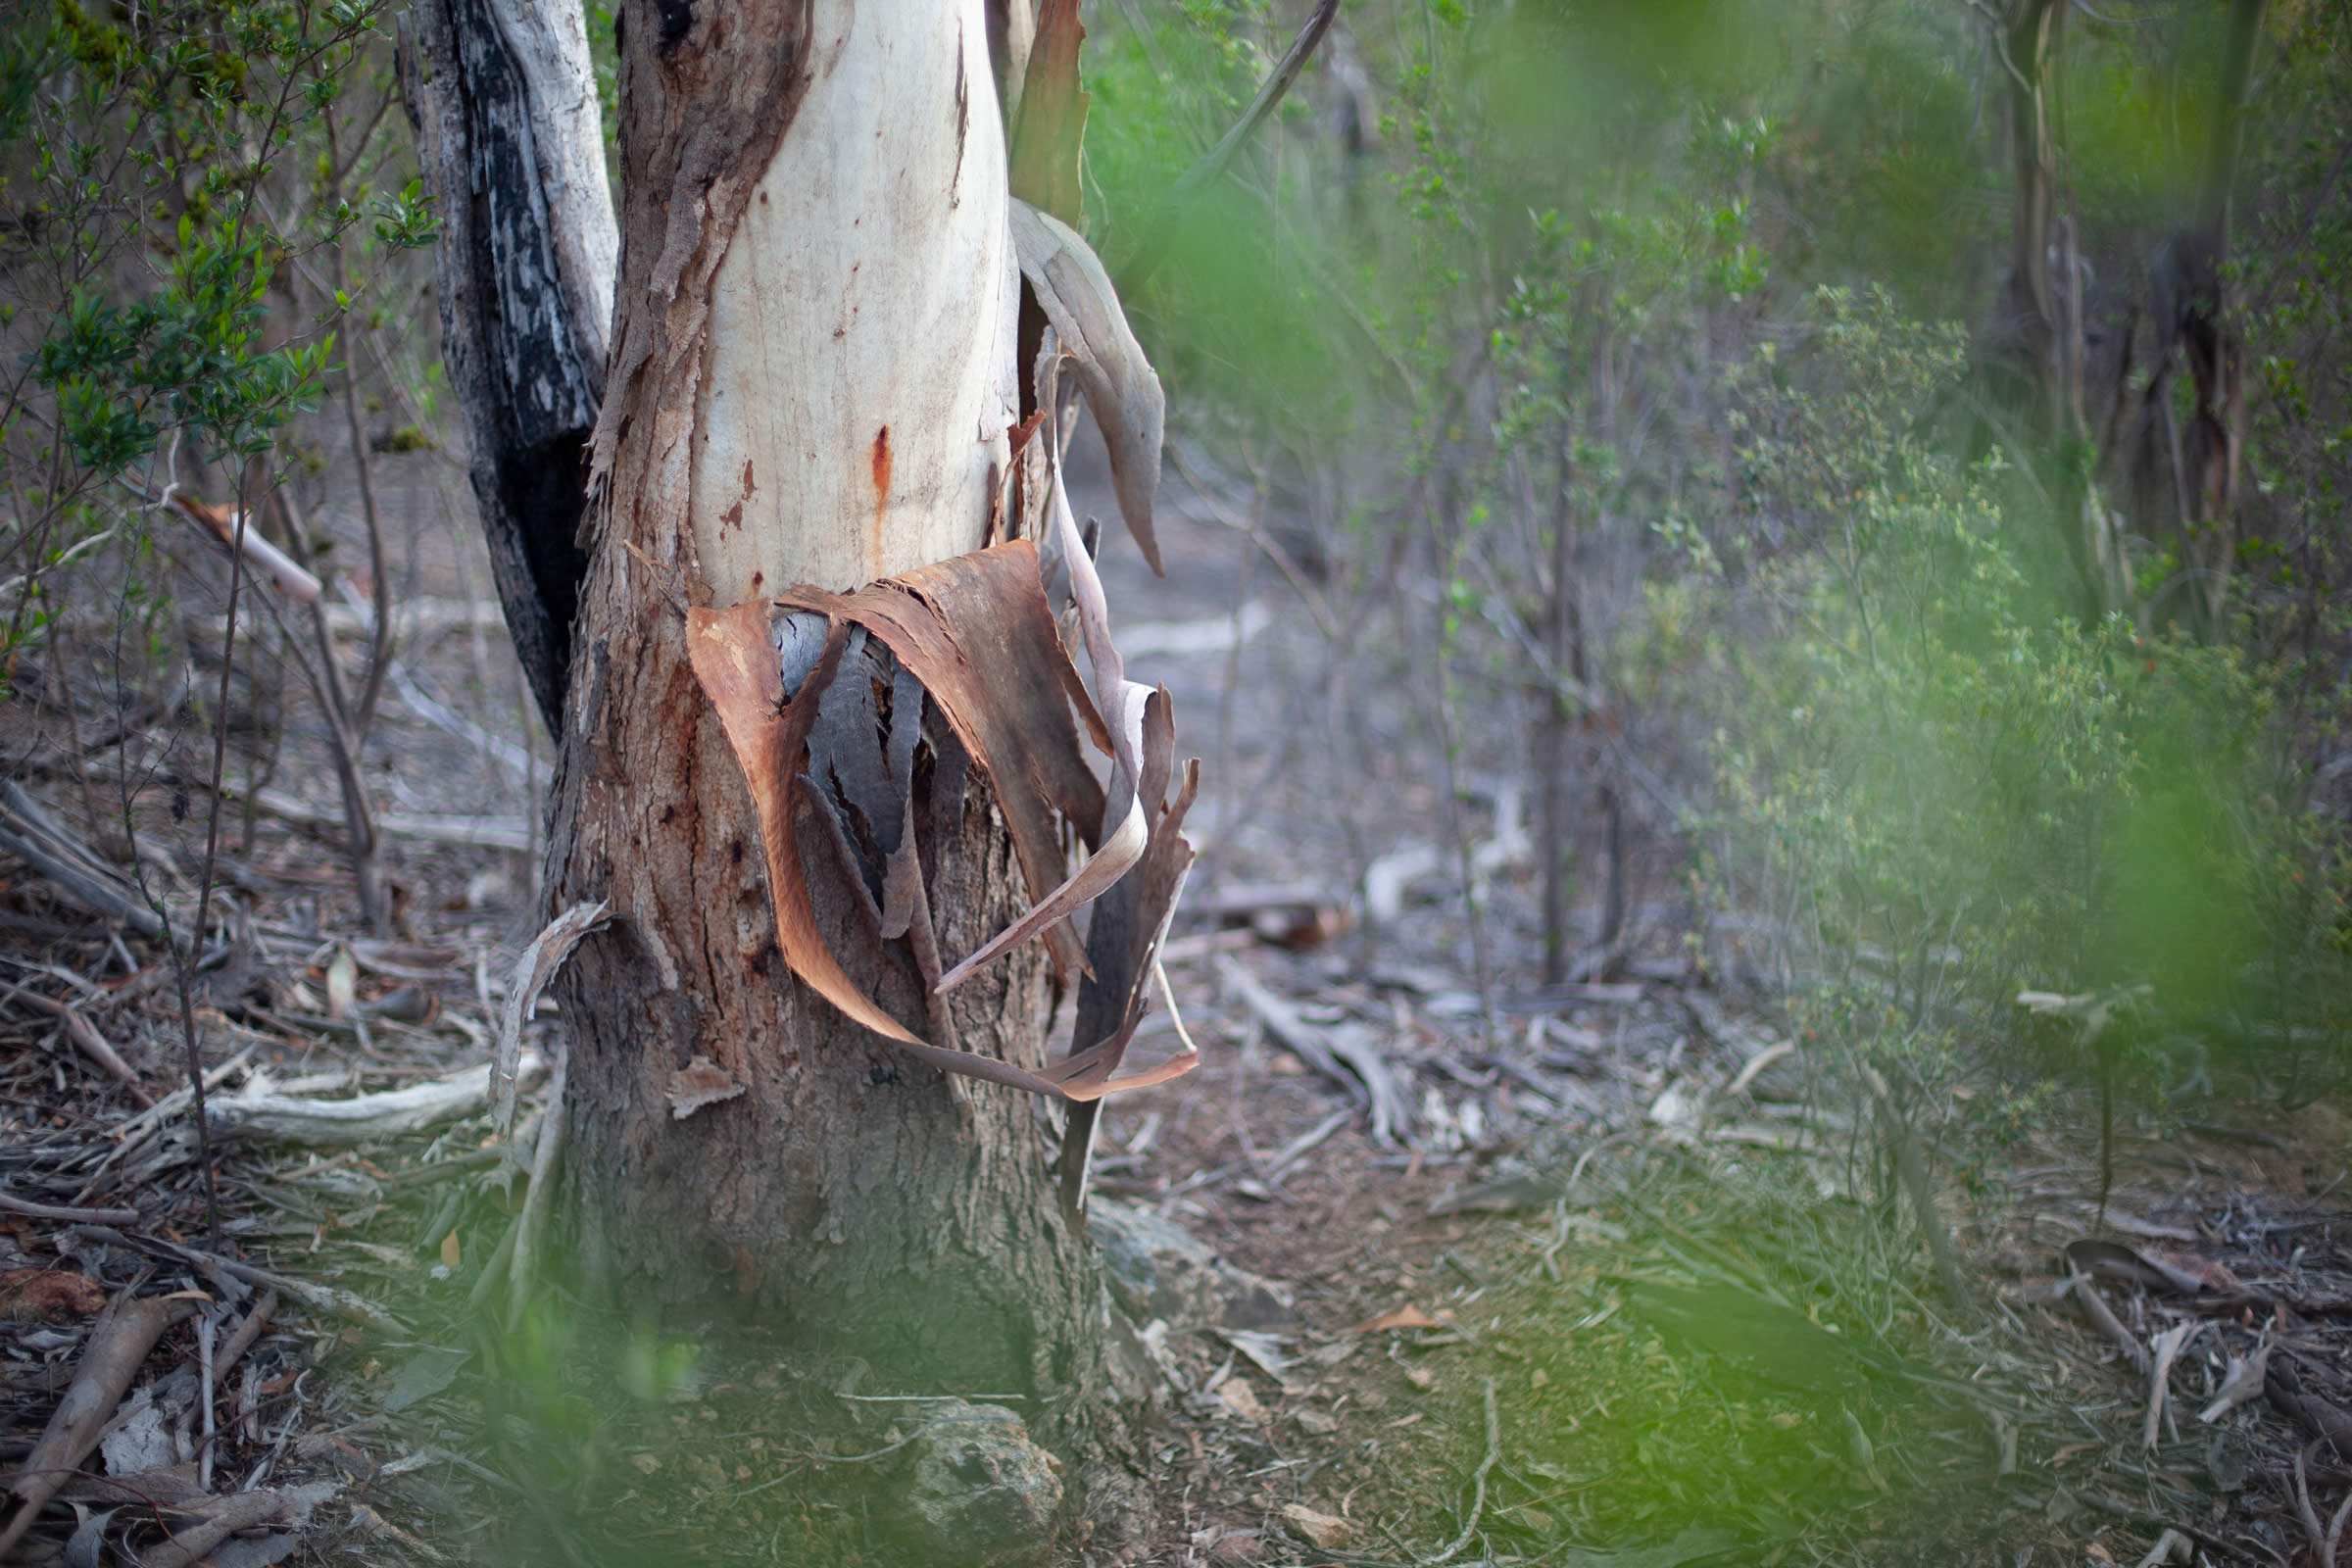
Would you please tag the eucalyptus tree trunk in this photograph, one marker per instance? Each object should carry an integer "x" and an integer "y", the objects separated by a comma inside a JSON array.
[
  {"x": 2042, "y": 334},
  {"x": 810, "y": 381},
  {"x": 2182, "y": 475},
  {"x": 2177, "y": 479}
]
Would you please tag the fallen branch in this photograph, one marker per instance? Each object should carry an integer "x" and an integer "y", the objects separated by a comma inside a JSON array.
[
  {"x": 32, "y": 836},
  {"x": 2322, "y": 1419},
  {"x": 489, "y": 832},
  {"x": 177, "y": 1101},
  {"x": 68, "y": 1212},
  {"x": 361, "y": 1118},
  {"x": 237, "y": 536},
  {"x": 1364, "y": 1075},
  {"x": 192, "y": 1544},
  {"x": 118, "y": 1347},
  {"x": 417, "y": 620},
  {"x": 411, "y": 688},
  {"x": 1306, "y": 1143},
  {"x": 94, "y": 1045}
]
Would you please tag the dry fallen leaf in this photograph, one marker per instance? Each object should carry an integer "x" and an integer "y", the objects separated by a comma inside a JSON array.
[
  {"x": 47, "y": 1296},
  {"x": 646, "y": 1463},
  {"x": 1241, "y": 1399},
  {"x": 342, "y": 982},
  {"x": 451, "y": 1254},
  {"x": 1317, "y": 1529},
  {"x": 1407, "y": 1316}
]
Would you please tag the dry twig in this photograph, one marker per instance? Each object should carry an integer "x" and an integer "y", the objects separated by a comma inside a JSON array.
[
  {"x": 68, "y": 1213},
  {"x": 2169, "y": 1345},
  {"x": 1365, "y": 1075},
  {"x": 533, "y": 1221},
  {"x": 93, "y": 1044},
  {"x": 1478, "y": 1493},
  {"x": 1214, "y": 162},
  {"x": 2094, "y": 1306}
]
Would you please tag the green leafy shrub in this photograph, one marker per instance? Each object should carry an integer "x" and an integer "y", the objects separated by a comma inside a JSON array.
[{"x": 1952, "y": 793}]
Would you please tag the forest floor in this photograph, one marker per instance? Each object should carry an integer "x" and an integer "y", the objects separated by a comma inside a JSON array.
[{"x": 1478, "y": 1270}]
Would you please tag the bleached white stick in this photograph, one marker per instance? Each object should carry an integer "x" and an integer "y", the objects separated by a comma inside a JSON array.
[{"x": 361, "y": 1118}]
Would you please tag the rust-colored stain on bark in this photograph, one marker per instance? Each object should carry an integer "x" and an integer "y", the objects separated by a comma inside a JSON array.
[
  {"x": 750, "y": 487},
  {"x": 881, "y": 489}
]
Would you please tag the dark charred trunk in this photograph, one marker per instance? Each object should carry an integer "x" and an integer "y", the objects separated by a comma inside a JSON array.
[{"x": 527, "y": 371}]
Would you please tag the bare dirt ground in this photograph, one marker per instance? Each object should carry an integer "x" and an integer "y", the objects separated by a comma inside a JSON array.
[{"x": 1479, "y": 1272}]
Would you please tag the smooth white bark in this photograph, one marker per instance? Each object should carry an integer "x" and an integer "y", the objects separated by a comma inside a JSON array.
[{"x": 860, "y": 376}]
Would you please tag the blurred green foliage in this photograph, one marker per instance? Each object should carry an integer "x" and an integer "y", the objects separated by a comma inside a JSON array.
[
  {"x": 1704, "y": 283},
  {"x": 1959, "y": 794}
]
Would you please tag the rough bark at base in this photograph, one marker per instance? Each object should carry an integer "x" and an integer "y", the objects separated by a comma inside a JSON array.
[{"x": 848, "y": 1199}]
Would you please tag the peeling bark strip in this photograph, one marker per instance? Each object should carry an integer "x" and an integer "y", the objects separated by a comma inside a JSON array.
[
  {"x": 1122, "y": 389},
  {"x": 533, "y": 970},
  {"x": 976, "y": 634},
  {"x": 1049, "y": 126},
  {"x": 526, "y": 264}
]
